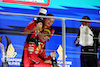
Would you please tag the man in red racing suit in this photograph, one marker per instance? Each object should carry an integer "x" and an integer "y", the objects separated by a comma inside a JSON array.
[
  {"x": 30, "y": 30},
  {"x": 34, "y": 55},
  {"x": 32, "y": 26}
]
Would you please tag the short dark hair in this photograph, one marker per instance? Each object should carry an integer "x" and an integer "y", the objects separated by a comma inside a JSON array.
[
  {"x": 85, "y": 17},
  {"x": 49, "y": 14}
]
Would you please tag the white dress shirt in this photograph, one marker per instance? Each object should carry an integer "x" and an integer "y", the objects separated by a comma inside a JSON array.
[{"x": 86, "y": 36}]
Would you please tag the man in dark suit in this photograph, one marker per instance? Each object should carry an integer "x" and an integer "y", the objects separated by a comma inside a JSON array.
[{"x": 88, "y": 39}]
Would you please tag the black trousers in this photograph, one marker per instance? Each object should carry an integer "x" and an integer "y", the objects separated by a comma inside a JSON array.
[{"x": 88, "y": 60}]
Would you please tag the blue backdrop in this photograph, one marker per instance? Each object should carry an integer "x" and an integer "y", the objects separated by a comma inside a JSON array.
[{"x": 12, "y": 26}]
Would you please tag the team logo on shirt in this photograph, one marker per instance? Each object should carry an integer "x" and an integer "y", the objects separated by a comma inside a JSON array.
[
  {"x": 31, "y": 48},
  {"x": 37, "y": 49}
]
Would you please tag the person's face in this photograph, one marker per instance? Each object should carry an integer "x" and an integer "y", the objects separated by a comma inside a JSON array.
[
  {"x": 48, "y": 22},
  {"x": 86, "y": 23},
  {"x": 44, "y": 36},
  {"x": 39, "y": 25}
]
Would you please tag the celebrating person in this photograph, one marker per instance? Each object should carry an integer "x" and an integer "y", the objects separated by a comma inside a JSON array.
[
  {"x": 88, "y": 39},
  {"x": 34, "y": 53},
  {"x": 34, "y": 28}
]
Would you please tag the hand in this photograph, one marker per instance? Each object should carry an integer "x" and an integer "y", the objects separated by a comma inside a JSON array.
[
  {"x": 47, "y": 61},
  {"x": 39, "y": 24},
  {"x": 36, "y": 28},
  {"x": 53, "y": 54}
]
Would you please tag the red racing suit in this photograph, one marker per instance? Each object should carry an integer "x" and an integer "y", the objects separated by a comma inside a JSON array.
[
  {"x": 31, "y": 25},
  {"x": 34, "y": 55}
]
